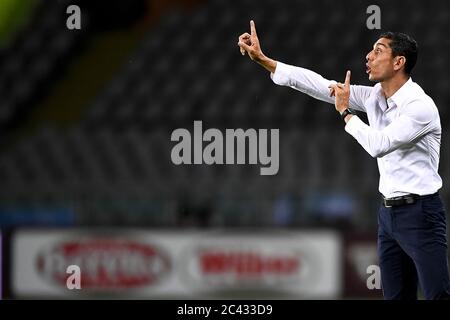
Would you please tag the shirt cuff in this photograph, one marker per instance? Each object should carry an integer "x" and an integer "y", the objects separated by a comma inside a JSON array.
[
  {"x": 281, "y": 74},
  {"x": 353, "y": 125}
]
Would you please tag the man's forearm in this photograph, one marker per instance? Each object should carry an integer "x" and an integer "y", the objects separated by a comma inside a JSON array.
[{"x": 269, "y": 64}]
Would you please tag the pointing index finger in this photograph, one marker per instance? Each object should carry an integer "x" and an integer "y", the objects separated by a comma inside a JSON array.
[
  {"x": 347, "y": 79},
  {"x": 252, "y": 28}
]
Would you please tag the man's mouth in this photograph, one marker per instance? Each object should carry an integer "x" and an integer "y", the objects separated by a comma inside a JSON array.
[{"x": 367, "y": 69}]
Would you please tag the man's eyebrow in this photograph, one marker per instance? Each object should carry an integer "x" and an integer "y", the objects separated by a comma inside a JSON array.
[{"x": 380, "y": 44}]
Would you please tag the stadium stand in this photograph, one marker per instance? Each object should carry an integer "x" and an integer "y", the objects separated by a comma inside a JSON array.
[{"x": 114, "y": 165}]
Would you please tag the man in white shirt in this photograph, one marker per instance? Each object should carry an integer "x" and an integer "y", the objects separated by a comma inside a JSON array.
[{"x": 404, "y": 134}]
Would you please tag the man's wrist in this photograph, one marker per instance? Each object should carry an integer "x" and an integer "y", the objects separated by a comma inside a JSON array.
[
  {"x": 269, "y": 64},
  {"x": 346, "y": 114}
]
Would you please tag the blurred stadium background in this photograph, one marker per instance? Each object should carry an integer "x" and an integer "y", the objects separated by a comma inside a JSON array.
[{"x": 85, "y": 169}]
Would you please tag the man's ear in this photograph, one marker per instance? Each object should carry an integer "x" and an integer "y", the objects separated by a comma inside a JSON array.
[{"x": 399, "y": 62}]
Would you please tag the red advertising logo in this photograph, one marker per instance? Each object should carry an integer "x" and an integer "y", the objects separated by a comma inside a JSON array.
[
  {"x": 104, "y": 263},
  {"x": 247, "y": 263},
  {"x": 245, "y": 268}
]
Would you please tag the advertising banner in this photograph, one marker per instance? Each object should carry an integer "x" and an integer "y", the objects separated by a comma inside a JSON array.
[{"x": 136, "y": 263}]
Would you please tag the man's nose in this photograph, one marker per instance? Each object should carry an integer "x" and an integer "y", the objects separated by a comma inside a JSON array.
[{"x": 368, "y": 56}]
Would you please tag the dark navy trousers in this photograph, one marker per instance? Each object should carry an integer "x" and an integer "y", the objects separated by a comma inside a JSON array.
[{"x": 412, "y": 250}]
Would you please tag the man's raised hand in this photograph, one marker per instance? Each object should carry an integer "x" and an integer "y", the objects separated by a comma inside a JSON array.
[{"x": 249, "y": 43}]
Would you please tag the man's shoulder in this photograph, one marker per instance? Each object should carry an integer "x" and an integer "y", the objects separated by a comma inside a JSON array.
[
  {"x": 421, "y": 107},
  {"x": 416, "y": 93}
]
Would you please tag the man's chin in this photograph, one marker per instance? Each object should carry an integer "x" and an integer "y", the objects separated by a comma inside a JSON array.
[{"x": 373, "y": 79}]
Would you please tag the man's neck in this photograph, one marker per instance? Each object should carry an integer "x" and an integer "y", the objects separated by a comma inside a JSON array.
[{"x": 391, "y": 85}]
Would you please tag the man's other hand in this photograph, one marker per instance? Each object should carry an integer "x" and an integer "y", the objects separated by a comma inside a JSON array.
[{"x": 342, "y": 93}]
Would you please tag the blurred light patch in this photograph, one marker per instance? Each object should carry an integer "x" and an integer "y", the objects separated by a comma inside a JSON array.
[
  {"x": 36, "y": 216},
  {"x": 13, "y": 15},
  {"x": 332, "y": 204}
]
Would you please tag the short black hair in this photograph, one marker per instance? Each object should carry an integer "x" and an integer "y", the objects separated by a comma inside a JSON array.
[{"x": 403, "y": 45}]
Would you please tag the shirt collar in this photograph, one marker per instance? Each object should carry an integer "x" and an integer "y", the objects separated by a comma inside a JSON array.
[
  {"x": 402, "y": 94},
  {"x": 398, "y": 98}
]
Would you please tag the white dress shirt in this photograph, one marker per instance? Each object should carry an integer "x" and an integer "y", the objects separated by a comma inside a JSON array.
[{"x": 404, "y": 133}]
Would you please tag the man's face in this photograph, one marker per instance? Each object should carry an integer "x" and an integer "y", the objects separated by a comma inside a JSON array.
[{"x": 380, "y": 63}]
